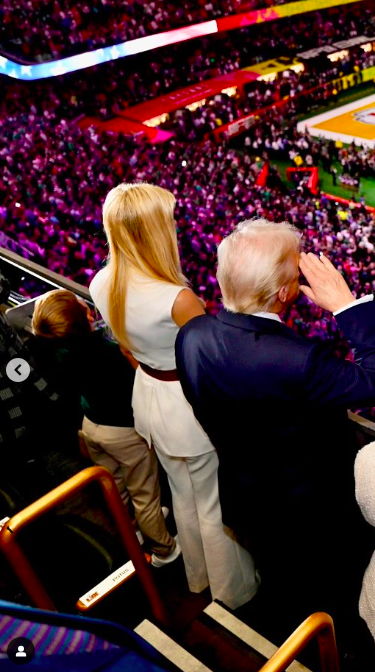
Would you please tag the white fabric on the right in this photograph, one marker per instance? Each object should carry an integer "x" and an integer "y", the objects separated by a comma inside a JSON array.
[{"x": 364, "y": 471}]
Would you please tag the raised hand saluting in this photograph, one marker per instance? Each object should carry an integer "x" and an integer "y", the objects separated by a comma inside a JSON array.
[{"x": 327, "y": 289}]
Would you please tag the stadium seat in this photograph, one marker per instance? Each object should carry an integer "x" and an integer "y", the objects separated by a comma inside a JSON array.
[{"x": 65, "y": 642}]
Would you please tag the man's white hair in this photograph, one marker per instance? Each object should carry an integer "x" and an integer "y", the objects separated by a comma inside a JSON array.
[{"x": 255, "y": 261}]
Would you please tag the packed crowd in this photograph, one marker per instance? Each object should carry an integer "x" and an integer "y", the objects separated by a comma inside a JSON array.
[
  {"x": 54, "y": 177},
  {"x": 106, "y": 90},
  {"x": 276, "y": 136},
  {"x": 311, "y": 84},
  {"x": 53, "y": 29}
]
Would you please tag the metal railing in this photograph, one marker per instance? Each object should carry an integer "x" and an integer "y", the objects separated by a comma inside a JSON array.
[
  {"x": 22, "y": 567},
  {"x": 319, "y": 625},
  {"x": 45, "y": 274}
]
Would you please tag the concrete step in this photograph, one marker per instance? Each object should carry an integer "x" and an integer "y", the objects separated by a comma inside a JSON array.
[{"x": 217, "y": 641}]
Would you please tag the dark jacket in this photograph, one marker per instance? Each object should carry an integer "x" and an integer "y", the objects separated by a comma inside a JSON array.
[
  {"x": 92, "y": 376},
  {"x": 274, "y": 406}
]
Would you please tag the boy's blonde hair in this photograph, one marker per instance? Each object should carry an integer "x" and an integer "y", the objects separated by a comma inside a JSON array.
[{"x": 60, "y": 314}]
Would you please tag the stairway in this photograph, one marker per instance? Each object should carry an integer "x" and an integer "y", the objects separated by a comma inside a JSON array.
[{"x": 217, "y": 641}]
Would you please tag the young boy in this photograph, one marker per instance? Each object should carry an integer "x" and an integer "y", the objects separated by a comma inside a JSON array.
[{"x": 87, "y": 364}]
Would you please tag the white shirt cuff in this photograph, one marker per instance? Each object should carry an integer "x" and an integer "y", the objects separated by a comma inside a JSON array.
[{"x": 356, "y": 302}]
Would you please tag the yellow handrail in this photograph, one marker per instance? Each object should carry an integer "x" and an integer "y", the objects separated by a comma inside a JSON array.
[
  {"x": 26, "y": 574},
  {"x": 318, "y": 625}
]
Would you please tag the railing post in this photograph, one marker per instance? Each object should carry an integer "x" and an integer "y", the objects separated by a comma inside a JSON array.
[
  {"x": 318, "y": 625},
  {"x": 64, "y": 492}
]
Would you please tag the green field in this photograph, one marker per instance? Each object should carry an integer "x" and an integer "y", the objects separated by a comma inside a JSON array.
[
  {"x": 366, "y": 189},
  {"x": 367, "y": 186}
]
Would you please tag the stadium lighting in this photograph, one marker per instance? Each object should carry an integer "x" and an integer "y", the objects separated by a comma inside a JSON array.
[
  {"x": 338, "y": 56},
  {"x": 131, "y": 47},
  {"x": 156, "y": 121},
  {"x": 105, "y": 54},
  {"x": 230, "y": 91},
  {"x": 195, "y": 105}
]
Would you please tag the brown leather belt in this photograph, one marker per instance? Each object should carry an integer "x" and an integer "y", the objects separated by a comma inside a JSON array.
[{"x": 168, "y": 376}]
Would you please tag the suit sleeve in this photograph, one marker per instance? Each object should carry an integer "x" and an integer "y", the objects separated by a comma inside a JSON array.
[{"x": 329, "y": 381}]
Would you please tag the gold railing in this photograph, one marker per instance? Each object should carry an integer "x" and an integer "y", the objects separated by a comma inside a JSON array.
[
  {"x": 23, "y": 569},
  {"x": 319, "y": 625}
]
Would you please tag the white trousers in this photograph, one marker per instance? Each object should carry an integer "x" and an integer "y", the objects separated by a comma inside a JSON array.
[{"x": 211, "y": 554}]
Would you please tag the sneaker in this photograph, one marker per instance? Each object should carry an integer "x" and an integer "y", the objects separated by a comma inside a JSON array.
[
  {"x": 165, "y": 511},
  {"x": 157, "y": 561}
]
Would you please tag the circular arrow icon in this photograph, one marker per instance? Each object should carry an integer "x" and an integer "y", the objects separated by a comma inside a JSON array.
[{"x": 18, "y": 370}]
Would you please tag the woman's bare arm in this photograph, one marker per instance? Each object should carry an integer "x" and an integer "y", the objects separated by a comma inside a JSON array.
[{"x": 186, "y": 306}]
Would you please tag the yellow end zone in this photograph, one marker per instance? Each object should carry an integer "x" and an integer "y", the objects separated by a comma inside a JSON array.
[{"x": 355, "y": 121}]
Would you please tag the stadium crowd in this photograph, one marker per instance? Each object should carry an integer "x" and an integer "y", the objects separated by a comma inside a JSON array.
[
  {"x": 275, "y": 134},
  {"x": 54, "y": 177},
  {"x": 204, "y": 56},
  {"x": 53, "y": 29},
  {"x": 105, "y": 91},
  {"x": 299, "y": 91}
]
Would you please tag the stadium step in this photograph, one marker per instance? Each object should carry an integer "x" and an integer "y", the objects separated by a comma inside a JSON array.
[{"x": 217, "y": 641}]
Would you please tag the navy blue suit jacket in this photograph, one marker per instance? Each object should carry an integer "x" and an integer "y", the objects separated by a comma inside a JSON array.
[{"x": 274, "y": 406}]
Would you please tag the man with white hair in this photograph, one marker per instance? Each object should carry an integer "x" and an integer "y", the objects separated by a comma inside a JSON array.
[{"x": 274, "y": 406}]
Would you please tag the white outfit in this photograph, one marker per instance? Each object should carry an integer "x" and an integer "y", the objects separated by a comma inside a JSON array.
[
  {"x": 163, "y": 416},
  {"x": 364, "y": 471}
]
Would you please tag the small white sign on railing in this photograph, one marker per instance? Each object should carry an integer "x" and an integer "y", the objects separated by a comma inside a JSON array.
[{"x": 104, "y": 587}]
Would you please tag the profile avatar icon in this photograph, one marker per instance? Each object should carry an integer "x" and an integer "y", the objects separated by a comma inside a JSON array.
[{"x": 21, "y": 652}]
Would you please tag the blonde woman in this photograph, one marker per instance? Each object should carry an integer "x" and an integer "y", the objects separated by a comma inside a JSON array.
[{"x": 144, "y": 298}]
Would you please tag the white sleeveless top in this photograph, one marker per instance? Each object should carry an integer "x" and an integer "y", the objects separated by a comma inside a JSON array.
[
  {"x": 149, "y": 323},
  {"x": 162, "y": 414}
]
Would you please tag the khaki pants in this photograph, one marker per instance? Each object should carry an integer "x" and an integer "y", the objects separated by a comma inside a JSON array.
[{"x": 135, "y": 470}]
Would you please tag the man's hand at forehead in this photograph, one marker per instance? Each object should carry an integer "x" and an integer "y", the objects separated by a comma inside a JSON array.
[{"x": 327, "y": 288}]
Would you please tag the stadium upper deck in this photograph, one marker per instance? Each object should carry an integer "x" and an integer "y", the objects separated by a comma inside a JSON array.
[
  {"x": 39, "y": 40},
  {"x": 53, "y": 28}
]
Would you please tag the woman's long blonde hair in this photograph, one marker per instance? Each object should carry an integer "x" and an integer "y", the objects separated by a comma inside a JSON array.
[{"x": 141, "y": 233}]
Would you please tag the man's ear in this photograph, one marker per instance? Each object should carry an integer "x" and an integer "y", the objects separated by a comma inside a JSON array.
[{"x": 283, "y": 294}]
